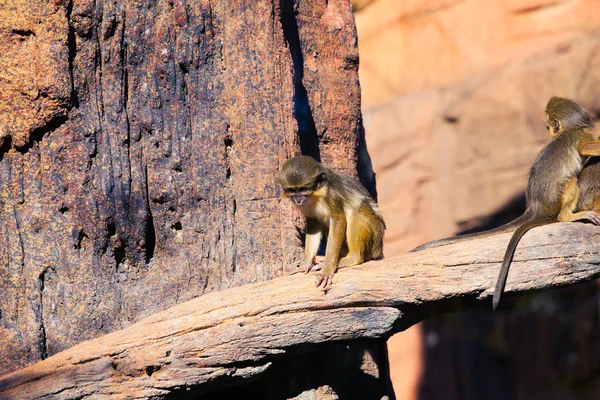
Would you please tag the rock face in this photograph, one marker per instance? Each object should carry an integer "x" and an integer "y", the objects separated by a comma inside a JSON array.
[
  {"x": 138, "y": 147},
  {"x": 463, "y": 151},
  {"x": 454, "y": 110},
  {"x": 453, "y": 99},
  {"x": 410, "y": 46}
]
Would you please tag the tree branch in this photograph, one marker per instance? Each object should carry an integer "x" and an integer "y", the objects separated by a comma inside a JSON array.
[{"x": 225, "y": 337}]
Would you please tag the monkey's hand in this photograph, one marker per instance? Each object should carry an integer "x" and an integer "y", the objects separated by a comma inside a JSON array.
[
  {"x": 318, "y": 265},
  {"x": 313, "y": 264},
  {"x": 324, "y": 277},
  {"x": 589, "y": 216},
  {"x": 308, "y": 264}
]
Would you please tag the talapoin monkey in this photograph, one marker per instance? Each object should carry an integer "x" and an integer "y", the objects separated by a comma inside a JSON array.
[
  {"x": 338, "y": 206},
  {"x": 552, "y": 190},
  {"x": 552, "y": 186}
]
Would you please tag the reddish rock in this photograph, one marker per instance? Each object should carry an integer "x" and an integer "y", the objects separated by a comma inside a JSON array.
[
  {"x": 415, "y": 45},
  {"x": 447, "y": 156},
  {"x": 139, "y": 143}
]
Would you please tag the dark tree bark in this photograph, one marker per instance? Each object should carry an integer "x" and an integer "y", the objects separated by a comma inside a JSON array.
[{"x": 139, "y": 142}]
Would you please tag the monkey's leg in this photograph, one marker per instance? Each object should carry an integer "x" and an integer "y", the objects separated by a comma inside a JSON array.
[
  {"x": 335, "y": 241},
  {"x": 314, "y": 232},
  {"x": 358, "y": 237},
  {"x": 364, "y": 237},
  {"x": 570, "y": 197}
]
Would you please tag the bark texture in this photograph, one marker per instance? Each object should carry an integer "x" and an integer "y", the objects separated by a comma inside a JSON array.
[
  {"x": 233, "y": 335},
  {"x": 139, "y": 142}
]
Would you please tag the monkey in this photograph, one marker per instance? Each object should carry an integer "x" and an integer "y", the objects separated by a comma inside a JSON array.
[
  {"x": 335, "y": 205},
  {"x": 589, "y": 186},
  {"x": 552, "y": 191},
  {"x": 587, "y": 191},
  {"x": 513, "y": 225}
]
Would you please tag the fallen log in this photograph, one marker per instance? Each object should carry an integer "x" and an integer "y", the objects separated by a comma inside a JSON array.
[{"x": 226, "y": 337}]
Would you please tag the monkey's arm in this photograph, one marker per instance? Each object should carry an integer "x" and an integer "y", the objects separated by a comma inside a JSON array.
[
  {"x": 590, "y": 149},
  {"x": 335, "y": 240},
  {"x": 314, "y": 232}
]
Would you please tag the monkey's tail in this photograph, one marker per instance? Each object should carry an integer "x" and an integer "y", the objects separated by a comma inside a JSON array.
[
  {"x": 510, "y": 252},
  {"x": 512, "y": 225}
]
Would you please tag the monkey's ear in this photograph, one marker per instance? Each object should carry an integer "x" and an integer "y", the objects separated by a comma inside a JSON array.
[
  {"x": 321, "y": 179},
  {"x": 556, "y": 125}
]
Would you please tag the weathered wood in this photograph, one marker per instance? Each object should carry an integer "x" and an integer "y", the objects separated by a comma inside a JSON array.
[{"x": 226, "y": 337}]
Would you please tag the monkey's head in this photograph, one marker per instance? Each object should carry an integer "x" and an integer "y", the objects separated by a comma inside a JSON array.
[
  {"x": 562, "y": 114},
  {"x": 301, "y": 177}
]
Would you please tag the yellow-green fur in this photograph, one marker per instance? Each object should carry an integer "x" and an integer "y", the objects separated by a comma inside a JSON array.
[{"x": 339, "y": 206}]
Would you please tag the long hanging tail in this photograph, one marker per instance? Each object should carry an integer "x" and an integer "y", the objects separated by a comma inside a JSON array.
[
  {"x": 510, "y": 252},
  {"x": 478, "y": 235}
]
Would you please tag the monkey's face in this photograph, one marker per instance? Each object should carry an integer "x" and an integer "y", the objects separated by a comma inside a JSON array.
[
  {"x": 299, "y": 197},
  {"x": 300, "y": 177},
  {"x": 303, "y": 193},
  {"x": 302, "y": 185}
]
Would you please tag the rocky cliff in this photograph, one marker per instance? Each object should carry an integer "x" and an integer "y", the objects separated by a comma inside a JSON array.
[{"x": 453, "y": 96}]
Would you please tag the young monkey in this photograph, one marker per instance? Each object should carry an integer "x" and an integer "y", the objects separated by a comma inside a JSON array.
[
  {"x": 572, "y": 116},
  {"x": 552, "y": 190},
  {"x": 338, "y": 206},
  {"x": 589, "y": 186}
]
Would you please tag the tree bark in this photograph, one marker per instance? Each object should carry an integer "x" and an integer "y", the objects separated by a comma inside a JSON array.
[{"x": 228, "y": 337}]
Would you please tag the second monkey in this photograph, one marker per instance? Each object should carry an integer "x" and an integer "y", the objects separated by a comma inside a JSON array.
[{"x": 552, "y": 190}]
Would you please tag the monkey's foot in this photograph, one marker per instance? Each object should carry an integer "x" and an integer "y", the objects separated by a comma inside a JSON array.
[
  {"x": 589, "y": 216},
  {"x": 324, "y": 280}
]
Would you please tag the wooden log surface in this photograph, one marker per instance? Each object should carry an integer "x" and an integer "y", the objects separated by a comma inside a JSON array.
[{"x": 225, "y": 337}]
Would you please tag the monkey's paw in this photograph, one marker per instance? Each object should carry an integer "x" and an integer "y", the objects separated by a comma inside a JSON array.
[
  {"x": 595, "y": 219},
  {"x": 324, "y": 279},
  {"x": 592, "y": 217},
  {"x": 316, "y": 264}
]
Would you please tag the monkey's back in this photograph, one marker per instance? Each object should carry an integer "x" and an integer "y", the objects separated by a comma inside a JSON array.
[
  {"x": 361, "y": 212},
  {"x": 345, "y": 187},
  {"x": 558, "y": 161}
]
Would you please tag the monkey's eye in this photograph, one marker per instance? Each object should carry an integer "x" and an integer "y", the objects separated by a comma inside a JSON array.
[{"x": 291, "y": 190}]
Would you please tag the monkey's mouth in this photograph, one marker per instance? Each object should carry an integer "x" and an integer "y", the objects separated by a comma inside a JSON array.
[{"x": 299, "y": 199}]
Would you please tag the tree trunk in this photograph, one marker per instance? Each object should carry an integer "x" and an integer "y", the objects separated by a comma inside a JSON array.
[{"x": 139, "y": 142}]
